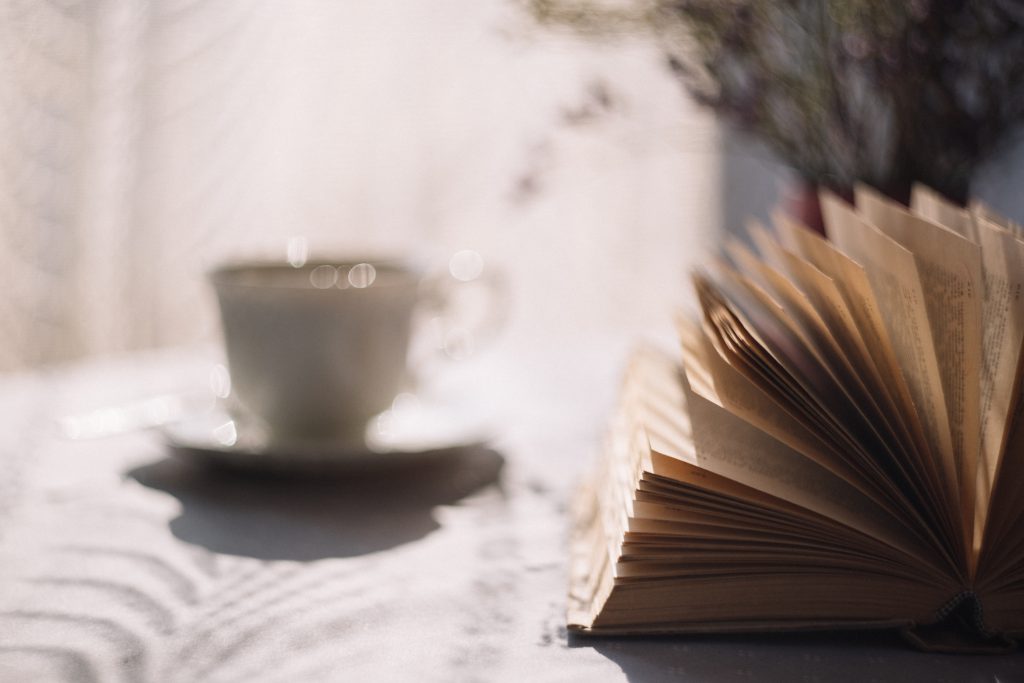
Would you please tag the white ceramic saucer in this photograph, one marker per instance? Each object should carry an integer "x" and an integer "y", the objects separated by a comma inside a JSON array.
[{"x": 410, "y": 432}]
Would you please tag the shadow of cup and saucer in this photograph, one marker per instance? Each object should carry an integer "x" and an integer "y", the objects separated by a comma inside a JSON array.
[
  {"x": 313, "y": 456},
  {"x": 311, "y": 513}
]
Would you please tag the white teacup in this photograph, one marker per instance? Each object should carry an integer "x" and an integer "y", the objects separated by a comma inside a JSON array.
[{"x": 315, "y": 351}]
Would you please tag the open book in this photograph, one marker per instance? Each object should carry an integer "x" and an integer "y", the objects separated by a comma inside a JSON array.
[{"x": 838, "y": 442}]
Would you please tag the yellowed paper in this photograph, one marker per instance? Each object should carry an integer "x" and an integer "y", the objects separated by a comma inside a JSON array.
[
  {"x": 1003, "y": 316},
  {"x": 980, "y": 209},
  {"x": 827, "y": 300},
  {"x": 730, "y": 447},
  {"x": 852, "y": 283},
  {"x": 929, "y": 204},
  {"x": 798, "y": 313},
  {"x": 878, "y": 389},
  {"x": 720, "y": 383},
  {"x": 754, "y": 333},
  {"x": 893, "y": 276},
  {"x": 949, "y": 268}
]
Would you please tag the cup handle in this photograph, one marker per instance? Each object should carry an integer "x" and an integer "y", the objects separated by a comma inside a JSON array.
[{"x": 466, "y": 304}]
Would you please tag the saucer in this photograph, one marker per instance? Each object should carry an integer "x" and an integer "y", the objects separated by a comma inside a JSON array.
[{"x": 409, "y": 433}]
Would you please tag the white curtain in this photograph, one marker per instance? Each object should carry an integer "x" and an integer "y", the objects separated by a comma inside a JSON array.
[{"x": 142, "y": 142}]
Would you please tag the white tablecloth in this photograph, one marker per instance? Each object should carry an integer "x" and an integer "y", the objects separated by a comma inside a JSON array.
[{"x": 118, "y": 563}]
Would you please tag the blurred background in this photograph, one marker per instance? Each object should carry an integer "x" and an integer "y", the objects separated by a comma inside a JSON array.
[{"x": 143, "y": 142}]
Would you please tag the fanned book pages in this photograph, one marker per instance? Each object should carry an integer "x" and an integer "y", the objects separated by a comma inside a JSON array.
[{"x": 837, "y": 443}]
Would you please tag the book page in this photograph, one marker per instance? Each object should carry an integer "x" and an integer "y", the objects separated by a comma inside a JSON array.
[
  {"x": 893, "y": 275},
  {"x": 803, "y": 319},
  {"x": 980, "y": 209},
  {"x": 1002, "y": 553},
  {"x": 1003, "y": 324},
  {"x": 852, "y": 283},
  {"x": 757, "y": 336},
  {"x": 827, "y": 300},
  {"x": 809, "y": 322},
  {"x": 729, "y": 447},
  {"x": 929, "y": 204},
  {"x": 949, "y": 267},
  {"x": 720, "y": 383},
  {"x": 825, "y": 296}
]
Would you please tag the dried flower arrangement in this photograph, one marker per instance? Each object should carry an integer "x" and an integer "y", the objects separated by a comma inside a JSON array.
[{"x": 888, "y": 93}]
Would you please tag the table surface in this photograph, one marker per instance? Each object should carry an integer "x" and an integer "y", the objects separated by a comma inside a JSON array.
[{"x": 120, "y": 563}]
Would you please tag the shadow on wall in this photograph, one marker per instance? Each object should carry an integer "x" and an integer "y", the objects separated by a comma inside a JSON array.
[
  {"x": 275, "y": 517},
  {"x": 999, "y": 182},
  {"x": 753, "y": 180},
  {"x": 835, "y": 657}
]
